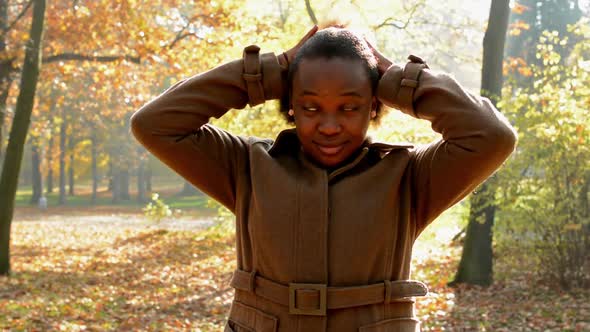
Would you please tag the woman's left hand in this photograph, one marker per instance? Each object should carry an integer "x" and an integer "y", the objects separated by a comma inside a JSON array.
[{"x": 290, "y": 54}]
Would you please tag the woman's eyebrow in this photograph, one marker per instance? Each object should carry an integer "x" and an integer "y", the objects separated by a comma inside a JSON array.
[
  {"x": 351, "y": 93},
  {"x": 308, "y": 93},
  {"x": 344, "y": 94}
]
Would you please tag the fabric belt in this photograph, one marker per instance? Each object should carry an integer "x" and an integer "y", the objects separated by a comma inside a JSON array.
[{"x": 314, "y": 299}]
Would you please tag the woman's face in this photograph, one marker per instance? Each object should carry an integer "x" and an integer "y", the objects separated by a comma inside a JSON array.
[{"x": 332, "y": 102}]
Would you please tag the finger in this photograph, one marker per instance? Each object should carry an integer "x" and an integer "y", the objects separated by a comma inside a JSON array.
[
  {"x": 371, "y": 46},
  {"x": 312, "y": 31},
  {"x": 309, "y": 34},
  {"x": 291, "y": 53},
  {"x": 375, "y": 51}
]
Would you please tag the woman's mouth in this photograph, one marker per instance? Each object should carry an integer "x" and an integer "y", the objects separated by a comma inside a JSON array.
[{"x": 330, "y": 150}]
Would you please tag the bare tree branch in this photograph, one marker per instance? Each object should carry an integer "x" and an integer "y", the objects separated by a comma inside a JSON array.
[
  {"x": 20, "y": 15},
  {"x": 180, "y": 37},
  {"x": 283, "y": 13},
  {"x": 182, "y": 34},
  {"x": 94, "y": 58},
  {"x": 392, "y": 22},
  {"x": 310, "y": 12}
]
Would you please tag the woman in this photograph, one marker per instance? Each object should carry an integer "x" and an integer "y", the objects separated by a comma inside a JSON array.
[{"x": 325, "y": 218}]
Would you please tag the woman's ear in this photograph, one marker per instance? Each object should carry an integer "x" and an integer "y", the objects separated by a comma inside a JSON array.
[
  {"x": 291, "y": 112},
  {"x": 374, "y": 107}
]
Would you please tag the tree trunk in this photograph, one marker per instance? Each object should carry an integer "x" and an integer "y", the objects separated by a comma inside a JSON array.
[
  {"x": 94, "y": 166},
  {"x": 124, "y": 183},
  {"x": 5, "y": 75},
  {"x": 148, "y": 176},
  {"x": 111, "y": 168},
  {"x": 141, "y": 175},
  {"x": 119, "y": 177},
  {"x": 476, "y": 265},
  {"x": 62, "y": 158},
  {"x": 188, "y": 190},
  {"x": 5, "y": 83},
  {"x": 585, "y": 198},
  {"x": 71, "y": 145},
  {"x": 116, "y": 183},
  {"x": 18, "y": 132},
  {"x": 50, "y": 164},
  {"x": 36, "y": 172},
  {"x": 115, "y": 180}
]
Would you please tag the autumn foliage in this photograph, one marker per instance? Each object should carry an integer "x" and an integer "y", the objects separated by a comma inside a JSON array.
[{"x": 102, "y": 59}]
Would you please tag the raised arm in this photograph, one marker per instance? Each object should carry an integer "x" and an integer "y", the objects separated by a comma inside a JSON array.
[
  {"x": 173, "y": 126},
  {"x": 476, "y": 138}
]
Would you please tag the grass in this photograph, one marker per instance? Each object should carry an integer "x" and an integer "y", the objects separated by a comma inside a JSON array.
[{"x": 83, "y": 198}]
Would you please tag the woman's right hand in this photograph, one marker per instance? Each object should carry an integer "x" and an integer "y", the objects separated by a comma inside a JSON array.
[
  {"x": 383, "y": 63},
  {"x": 290, "y": 54}
]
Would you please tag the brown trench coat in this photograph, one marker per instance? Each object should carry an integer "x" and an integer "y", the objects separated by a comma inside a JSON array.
[{"x": 349, "y": 232}]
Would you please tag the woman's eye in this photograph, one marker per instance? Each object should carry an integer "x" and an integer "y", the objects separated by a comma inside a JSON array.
[
  {"x": 350, "y": 108},
  {"x": 310, "y": 109}
]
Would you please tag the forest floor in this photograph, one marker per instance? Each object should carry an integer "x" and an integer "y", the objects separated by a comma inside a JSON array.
[{"x": 110, "y": 269}]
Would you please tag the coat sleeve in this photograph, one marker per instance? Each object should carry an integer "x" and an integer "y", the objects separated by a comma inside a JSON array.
[
  {"x": 173, "y": 126},
  {"x": 476, "y": 140}
]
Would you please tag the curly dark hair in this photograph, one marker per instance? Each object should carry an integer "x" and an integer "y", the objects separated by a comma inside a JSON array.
[{"x": 333, "y": 42}]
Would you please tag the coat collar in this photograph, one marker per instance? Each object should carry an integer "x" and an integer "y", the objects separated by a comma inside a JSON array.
[{"x": 287, "y": 141}]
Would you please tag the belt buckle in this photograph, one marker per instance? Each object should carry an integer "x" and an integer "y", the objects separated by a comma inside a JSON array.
[{"x": 321, "y": 288}]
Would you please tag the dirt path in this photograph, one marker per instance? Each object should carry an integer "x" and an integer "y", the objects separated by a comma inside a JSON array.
[{"x": 107, "y": 219}]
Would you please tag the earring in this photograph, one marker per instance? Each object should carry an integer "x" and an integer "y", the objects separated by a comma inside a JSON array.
[
  {"x": 290, "y": 112},
  {"x": 373, "y": 114}
]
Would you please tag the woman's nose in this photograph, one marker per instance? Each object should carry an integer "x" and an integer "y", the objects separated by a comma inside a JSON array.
[{"x": 329, "y": 125}]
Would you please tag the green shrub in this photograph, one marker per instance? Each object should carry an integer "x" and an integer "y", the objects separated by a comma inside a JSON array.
[
  {"x": 156, "y": 209},
  {"x": 545, "y": 214}
]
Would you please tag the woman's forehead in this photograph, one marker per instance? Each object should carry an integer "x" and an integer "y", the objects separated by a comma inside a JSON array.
[{"x": 339, "y": 76}]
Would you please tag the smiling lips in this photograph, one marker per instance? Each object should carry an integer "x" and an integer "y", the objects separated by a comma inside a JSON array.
[{"x": 330, "y": 150}]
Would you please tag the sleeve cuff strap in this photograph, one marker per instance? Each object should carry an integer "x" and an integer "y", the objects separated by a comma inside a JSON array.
[
  {"x": 253, "y": 75},
  {"x": 398, "y": 85},
  {"x": 262, "y": 74},
  {"x": 409, "y": 83}
]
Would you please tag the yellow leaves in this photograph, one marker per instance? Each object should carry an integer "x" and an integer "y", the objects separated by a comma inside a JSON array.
[
  {"x": 66, "y": 68},
  {"x": 525, "y": 71},
  {"x": 24, "y": 37},
  {"x": 572, "y": 227},
  {"x": 516, "y": 27},
  {"x": 516, "y": 64},
  {"x": 518, "y": 8},
  {"x": 581, "y": 132},
  {"x": 82, "y": 11}
]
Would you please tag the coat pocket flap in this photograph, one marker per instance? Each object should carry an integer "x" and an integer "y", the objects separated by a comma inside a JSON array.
[
  {"x": 393, "y": 325},
  {"x": 252, "y": 318}
]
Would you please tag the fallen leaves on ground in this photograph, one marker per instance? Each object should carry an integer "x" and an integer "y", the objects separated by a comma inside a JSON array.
[
  {"x": 75, "y": 278},
  {"x": 519, "y": 301},
  {"x": 96, "y": 277}
]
